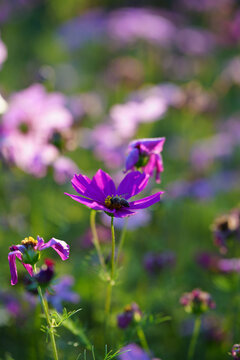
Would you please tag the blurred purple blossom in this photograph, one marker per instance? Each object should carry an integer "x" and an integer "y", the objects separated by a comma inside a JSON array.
[
  {"x": 131, "y": 313},
  {"x": 119, "y": 27},
  {"x": 61, "y": 292},
  {"x": 133, "y": 352},
  {"x": 125, "y": 26},
  {"x": 215, "y": 263},
  {"x": 32, "y": 119},
  {"x": 204, "y": 188},
  {"x": 194, "y": 41},
  {"x": 154, "y": 263},
  {"x": 88, "y": 27},
  {"x": 64, "y": 169},
  {"x": 104, "y": 236},
  {"x": 11, "y": 303}
]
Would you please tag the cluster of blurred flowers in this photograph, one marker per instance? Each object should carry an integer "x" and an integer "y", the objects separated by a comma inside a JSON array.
[{"x": 35, "y": 130}]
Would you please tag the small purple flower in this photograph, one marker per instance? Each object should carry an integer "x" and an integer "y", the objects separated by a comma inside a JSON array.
[
  {"x": 197, "y": 301},
  {"x": 145, "y": 154},
  {"x": 131, "y": 313},
  {"x": 61, "y": 292},
  {"x": 100, "y": 193},
  {"x": 236, "y": 351},
  {"x": 28, "y": 253},
  {"x": 154, "y": 263},
  {"x": 133, "y": 352}
]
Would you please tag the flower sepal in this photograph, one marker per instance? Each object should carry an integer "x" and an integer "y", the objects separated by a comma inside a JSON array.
[{"x": 30, "y": 256}]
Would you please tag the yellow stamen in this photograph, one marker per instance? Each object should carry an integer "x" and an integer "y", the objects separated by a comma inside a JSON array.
[{"x": 29, "y": 241}]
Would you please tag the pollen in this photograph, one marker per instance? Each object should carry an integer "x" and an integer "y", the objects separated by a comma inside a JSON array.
[
  {"x": 108, "y": 201},
  {"x": 29, "y": 241}
]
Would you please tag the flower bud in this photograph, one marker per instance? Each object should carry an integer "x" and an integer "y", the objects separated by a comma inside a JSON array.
[
  {"x": 197, "y": 302},
  {"x": 131, "y": 313}
]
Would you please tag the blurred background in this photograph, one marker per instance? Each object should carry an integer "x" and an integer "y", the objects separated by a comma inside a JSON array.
[{"x": 79, "y": 80}]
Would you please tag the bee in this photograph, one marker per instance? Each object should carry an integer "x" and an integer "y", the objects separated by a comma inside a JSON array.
[{"x": 118, "y": 203}]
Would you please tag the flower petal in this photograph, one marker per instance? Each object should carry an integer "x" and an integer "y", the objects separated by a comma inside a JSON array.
[
  {"x": 123, "y": 213},
  {"x": 12, "y": 264},
  {"x": 132, "y": 159},
  {"x": 89, "y": 203},
  {"x": 29, "y": 268},
  {"x": 104, "y": 182},
  {"x": 80, "y": 183},
  {"x": 60, "y": 246},
  {"x": 132, "y": 184},
  {"x": 145, "y": 202}
]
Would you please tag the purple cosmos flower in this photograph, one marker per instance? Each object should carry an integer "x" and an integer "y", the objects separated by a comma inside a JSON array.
[
  {"x": 62, "y": 293},
  {"x": 197, "y": 301},
  {"x": 28, "y": 253},
  {"x": 145, "y": 154},
  {"x": 100, "y": 193},
  {"x": 133, "y": 352}
]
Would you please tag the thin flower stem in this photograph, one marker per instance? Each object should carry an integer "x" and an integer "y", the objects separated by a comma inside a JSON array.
[
  {"x": 111, "y": 282},
  {"x": 95, "y": 238},
  {"x": 113, "y": 250},
  {"x": 142, "y": 338},
  {"x": 195, "y": 334},
  {"x": 121, "y": 242},
  {"x": 51, "y": 330}
]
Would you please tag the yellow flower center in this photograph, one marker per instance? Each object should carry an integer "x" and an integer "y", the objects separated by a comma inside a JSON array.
[{"x": 29, "y": 241}]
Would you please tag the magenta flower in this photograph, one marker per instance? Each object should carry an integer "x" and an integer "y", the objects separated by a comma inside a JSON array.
[
  {"x": 145, "y": 154},
  {"x": 28, "y": 253},
  {"x": 100, "y": 193}
]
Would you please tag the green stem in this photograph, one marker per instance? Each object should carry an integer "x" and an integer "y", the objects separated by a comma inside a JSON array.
[
  {"x": 195, "y": 334},
  {"x": 142, "y": 338},
  {"x": 95, "y": 238},
  {"x": 121, "y": 242},
  {"x": 111, "y": 282},
  {"x": 51, "y": 330}
]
